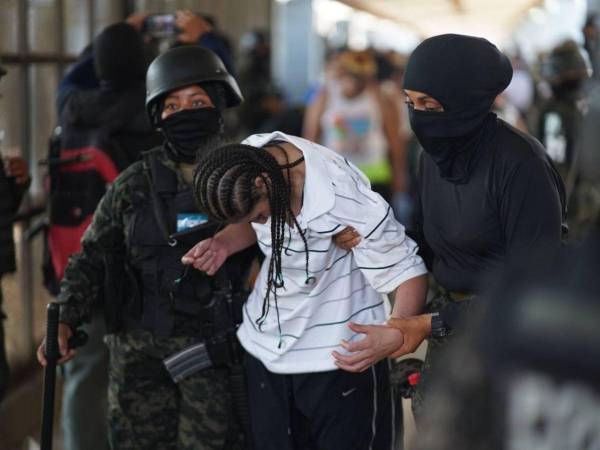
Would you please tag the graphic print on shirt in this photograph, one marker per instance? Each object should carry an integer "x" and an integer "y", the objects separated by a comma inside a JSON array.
[{"x": 349, "y": 135}]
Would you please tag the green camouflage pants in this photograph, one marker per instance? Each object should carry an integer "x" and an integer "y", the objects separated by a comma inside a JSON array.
[
  {"x": 435, "y": 348},
  {"x": 147, "y": 410}
]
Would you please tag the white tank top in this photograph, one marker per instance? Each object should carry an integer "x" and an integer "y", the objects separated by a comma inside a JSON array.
[{"x": 353, "y": 127}]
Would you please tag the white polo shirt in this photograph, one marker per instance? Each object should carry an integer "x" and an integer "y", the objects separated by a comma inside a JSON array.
[{"x": 348, "y": 286}]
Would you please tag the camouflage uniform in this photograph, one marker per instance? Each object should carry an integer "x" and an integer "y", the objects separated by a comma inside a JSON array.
[
  {"x": 146, "y": 408},
  {"x": 436, "y": 347}
]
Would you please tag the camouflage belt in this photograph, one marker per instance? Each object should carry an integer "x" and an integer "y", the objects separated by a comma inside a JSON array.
[{"x": 457, "y": 296}]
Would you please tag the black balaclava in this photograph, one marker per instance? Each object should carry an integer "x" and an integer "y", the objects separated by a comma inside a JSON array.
[
  {"x": 119, "y": 57},
  {"x": 193, "y": 131},
  {"x": 464, "y": 74}
]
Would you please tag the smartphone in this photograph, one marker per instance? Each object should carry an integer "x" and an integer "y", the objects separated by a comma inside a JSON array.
[{"x": 160, "y": 26}]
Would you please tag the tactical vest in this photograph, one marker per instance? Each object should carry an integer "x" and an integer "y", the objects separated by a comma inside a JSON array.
[{"x": 171, "y": 299}]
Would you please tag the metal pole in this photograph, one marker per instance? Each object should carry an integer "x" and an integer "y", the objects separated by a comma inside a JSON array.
[
  {"x": 91, "y": 19},
  {"x": 60, "y": 34},
  {"x": 25, "y": 253}
]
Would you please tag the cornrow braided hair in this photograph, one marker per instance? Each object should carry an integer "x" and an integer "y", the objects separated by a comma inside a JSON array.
[{"x": 224, "y": 187}]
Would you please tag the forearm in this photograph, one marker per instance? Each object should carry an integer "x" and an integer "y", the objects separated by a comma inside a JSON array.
[
  {"x": 311, "y": 128},
  {"x": 398, "y": 163},
  {"x": 409, "y": 298},
  {"x": 80, "y": 289},
  {"x": 237, "y": 237}
]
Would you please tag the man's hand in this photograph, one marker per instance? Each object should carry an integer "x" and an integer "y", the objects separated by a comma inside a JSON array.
[
  {"x": 192, "y": 26},
  {"x": 379, "y": 342},
  {"x": 347, "y": 239},
  {"x": 16, "y": 167},
  {"x": 64, "y": 333},
  {"x": 207, "y": 255},
  {"x": 415, "y": 330}
]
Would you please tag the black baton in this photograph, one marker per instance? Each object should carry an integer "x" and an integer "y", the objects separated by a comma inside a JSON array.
[{"x": 52, "y": 355}]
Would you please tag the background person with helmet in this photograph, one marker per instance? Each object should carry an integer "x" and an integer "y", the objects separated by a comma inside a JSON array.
[
  {"x": 566, "y": 69},
  {"x": 130, "y": 261}
]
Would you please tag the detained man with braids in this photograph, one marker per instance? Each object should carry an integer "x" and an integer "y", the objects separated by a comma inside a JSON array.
[
  {"x": 311, "y": 298},
  {"x": 131, "y": 264}
]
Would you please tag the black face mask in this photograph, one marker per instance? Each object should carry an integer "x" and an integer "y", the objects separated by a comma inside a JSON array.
[
  {"x": 452, "y": 148},
  {"x": 187, "y": 132}
]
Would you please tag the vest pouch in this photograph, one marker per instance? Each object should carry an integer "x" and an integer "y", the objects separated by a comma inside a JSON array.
[{"x": 190, "y": 293}]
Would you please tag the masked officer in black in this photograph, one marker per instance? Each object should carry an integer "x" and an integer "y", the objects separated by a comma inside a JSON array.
[{"x": 130, "y": 261}]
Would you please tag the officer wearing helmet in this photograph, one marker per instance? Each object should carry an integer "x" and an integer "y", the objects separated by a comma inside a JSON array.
[
  {"x": 565, "y": 68},
  {"x": 130, "y": 263}
]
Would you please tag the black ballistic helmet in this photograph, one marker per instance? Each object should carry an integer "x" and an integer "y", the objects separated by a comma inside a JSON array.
[
  {"x": 567, "y": 62},
  {"x": 183, "y": 66}
]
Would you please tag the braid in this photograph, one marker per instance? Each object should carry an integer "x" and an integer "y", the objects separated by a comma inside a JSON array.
[{"x": 224, "y": 186}]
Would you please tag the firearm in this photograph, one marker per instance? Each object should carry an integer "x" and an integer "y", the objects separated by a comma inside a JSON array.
[
  {"x": 52, "y": 356},
  {"x": 221, "y": 350}
]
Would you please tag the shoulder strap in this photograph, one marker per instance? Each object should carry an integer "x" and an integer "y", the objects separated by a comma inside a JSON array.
[{"x": 149, "y": 163}]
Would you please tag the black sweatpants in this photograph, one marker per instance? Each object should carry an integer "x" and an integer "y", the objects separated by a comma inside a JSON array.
[{"x": 320, "y": 411}]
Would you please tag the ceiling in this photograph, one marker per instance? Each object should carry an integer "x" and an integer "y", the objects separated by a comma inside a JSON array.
[{"x": 493, "y": 19}]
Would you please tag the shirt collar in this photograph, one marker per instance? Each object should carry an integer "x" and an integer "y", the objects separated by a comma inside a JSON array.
[{"x": 319, "y": 196}]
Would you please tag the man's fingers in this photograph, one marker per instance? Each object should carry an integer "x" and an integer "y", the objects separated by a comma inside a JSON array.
[
  {"x": 196, "y": 251},
  {"x": 356, "y": 241},
  {"x": 212, "y": 269},
  {"x": 355, "y": 346},
  {"x": 356, "y": 368},
  {"x": 200, "y": 248},
  {"x": 40, "y": 353},
  {"x": 203, "y": 267},
  {"x": 205, "y": 259},
  {"x": 357, "y": 328},
  {"x": 69, "y": 356},
  {"x": 63, "y": 345},
  {"x": 350, "y": 359}
]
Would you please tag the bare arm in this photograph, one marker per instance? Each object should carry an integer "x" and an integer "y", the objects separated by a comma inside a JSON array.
[
  {"x": 409, "y": 298},
  {"x": 210, "y": 254},
  {"x": 312, "y": 117},
  {"x": 396, "y": 145}
]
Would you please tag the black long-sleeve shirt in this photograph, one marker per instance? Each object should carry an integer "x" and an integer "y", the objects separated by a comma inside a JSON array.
[{"x": 510, "y": 205}]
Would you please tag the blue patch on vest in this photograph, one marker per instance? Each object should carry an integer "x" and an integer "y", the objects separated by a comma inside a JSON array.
[{"x": 185, "y": 221}]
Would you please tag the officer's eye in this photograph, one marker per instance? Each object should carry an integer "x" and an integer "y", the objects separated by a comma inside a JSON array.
[
  {"x": 409, "y": 103},
  {"x": 198, "y": 104},
  {"x": 171, "y": 107}
]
